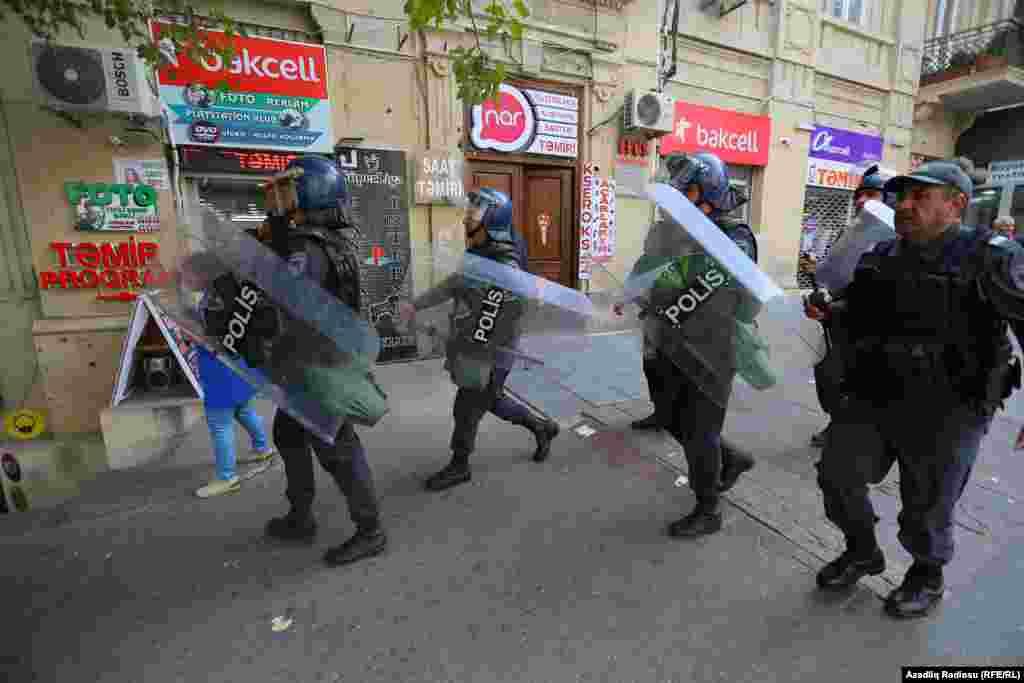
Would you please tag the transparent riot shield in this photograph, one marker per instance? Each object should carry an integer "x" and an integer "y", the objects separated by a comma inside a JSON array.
[
  {"x": 300, "y": 346},
  {"x": 710, "y": 309},
  {"x": 485, "y": 313},
  {"x": 874, "y": 224}
]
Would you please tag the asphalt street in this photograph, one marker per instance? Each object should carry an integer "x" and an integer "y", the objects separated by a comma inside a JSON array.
[{"x": 553, "y": 572}]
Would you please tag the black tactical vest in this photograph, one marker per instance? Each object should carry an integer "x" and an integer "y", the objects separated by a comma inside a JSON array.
[
  {"x": 924, "y": 330},
  {"x": 343, "y": 281}
]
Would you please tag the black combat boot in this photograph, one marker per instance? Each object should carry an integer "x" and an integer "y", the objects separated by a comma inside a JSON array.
[
  {"x": 705, "y": 519},
  {"x": 365, "y": 543},
  {"x": 861, "y": 558},
  {"x": 649, "y": 422},
  {"x": 454, "y": 473},
  {"x": 297, "y": 525},
  {"x": 735, "y": 463},
  {"x": 545, "y": 432},
  {"x": 922, "y": 589}
]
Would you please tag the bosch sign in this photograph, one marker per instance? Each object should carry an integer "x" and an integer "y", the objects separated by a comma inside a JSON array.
[{"x": 530, "y": 121}]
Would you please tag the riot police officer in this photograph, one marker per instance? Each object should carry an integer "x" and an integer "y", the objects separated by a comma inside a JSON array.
[
  {"x": 309, "y": 237},
  {"x": 695, "y": 417},
  {"x": 826, "y": 378},
  {"x": 489, "y": 234},
  {"x": 928, "y": 364}
]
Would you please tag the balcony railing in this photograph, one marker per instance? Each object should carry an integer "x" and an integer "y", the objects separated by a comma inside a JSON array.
[{"x": 976, "y": 49}]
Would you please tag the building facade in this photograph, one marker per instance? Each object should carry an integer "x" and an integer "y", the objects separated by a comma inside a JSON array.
[{"x": 796, "y": 95}]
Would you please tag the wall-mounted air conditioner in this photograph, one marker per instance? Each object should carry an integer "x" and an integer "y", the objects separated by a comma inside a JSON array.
[
  {"x": 92, "y": 79},
  {"x": 650, "y": 112}
]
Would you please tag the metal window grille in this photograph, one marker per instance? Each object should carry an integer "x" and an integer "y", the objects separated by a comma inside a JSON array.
[{"x": 832, "y": 209}]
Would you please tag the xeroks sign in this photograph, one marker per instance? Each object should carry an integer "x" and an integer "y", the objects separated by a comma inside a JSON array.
[{"x": 530, "y": 121}]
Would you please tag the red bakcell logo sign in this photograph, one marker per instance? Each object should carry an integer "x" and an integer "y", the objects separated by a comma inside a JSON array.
[{"x": 508, "y": 128}]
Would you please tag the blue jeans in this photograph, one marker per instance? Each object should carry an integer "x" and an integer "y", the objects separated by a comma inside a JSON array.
[{"x": 222, "y": 432}]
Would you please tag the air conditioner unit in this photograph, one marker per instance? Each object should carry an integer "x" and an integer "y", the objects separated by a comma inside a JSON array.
[
  {"x": 92, "y": 79},
  {"x": 650, "y": 112}
]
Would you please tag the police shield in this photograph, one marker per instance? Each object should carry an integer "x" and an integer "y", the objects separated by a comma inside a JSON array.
[
  {"x": 873, "y": 224},
  {"x": 710, "y": 309},
  {"x": 299, "y": 345},
  {"x": 492, "y": 314}
]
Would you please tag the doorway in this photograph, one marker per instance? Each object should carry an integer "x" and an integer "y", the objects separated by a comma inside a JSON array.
[{"x": 542, "y": 212}]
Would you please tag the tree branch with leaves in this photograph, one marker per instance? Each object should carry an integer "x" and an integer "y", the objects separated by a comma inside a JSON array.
[
  {"x": 476, "y": 74},
  {"x": 50, "y": 19}
]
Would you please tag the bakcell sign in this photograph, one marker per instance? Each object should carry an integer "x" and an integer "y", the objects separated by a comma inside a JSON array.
[
  {"x": 530, "y": 121},
  {"x": 277, "y": 96},
  {"x": 736, "y": 138}
]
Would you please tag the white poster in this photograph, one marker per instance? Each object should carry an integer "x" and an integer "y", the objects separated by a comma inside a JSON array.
[
  {"x": 604, "y": 224},
  {"x": 588, "y": 220},
  {"x": 152, "y": 172}
]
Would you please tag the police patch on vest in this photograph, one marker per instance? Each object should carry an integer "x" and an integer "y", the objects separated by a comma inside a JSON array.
[
  {"x": 707, "y": 284},
  {"x": 490, "y": 308},
  {"x": 241, "y": 316}
]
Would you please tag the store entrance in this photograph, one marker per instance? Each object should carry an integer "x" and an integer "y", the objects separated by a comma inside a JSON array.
[{"x": 542, "y": 211}]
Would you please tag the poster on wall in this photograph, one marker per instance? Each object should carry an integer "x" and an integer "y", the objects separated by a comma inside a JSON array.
[
  {"x": 152, "y": 172},
  {"x": 632, "y": 167},
  {"x": 112, "y": 207},
  {"x": 156, "y": 371},
  {"x": 603, "y": 229},
  {"x": 588, "y": 219},
  {"x": 837, "y": 158},
  {"x": 380, "y": 203},
  {"x": 277, "y": 96}
]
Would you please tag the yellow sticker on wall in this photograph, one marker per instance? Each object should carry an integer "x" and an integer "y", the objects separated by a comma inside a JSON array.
[{"x": 24, "y": 424}]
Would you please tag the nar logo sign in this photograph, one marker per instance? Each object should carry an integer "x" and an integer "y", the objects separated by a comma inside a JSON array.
[
  {"x": 527, "y": 121},
  {"x": 509, "y": 127}
]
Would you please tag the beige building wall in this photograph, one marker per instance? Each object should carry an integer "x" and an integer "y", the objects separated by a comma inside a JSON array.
[
  {"x": 786, "y": 60},
  {"x": 67, "y": 341}
]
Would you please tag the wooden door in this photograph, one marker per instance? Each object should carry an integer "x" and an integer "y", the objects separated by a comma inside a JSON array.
[
  {"x": 547, "y": 222},
  {"x": 507, "y": 178}
]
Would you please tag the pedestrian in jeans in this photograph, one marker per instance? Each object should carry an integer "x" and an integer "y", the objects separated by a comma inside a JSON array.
[{"x": 227, "y": 398}]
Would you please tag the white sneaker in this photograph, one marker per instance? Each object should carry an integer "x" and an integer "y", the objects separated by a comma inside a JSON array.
[
  {"x": 219, "y": 487},
  {"x": 258, "y": 456}
]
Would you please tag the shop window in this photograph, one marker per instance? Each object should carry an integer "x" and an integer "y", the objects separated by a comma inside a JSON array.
[
  {"x": 238, "y": 201},
  {"x": 852, "y": 11}
]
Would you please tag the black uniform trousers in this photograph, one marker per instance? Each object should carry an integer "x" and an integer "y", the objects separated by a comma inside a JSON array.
[
  {"x": 472, "y": 404},
  {"x": 695, "y": 421},
  {"x": 345, "y": 461},
  {"x": 935, "y": 442}
]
